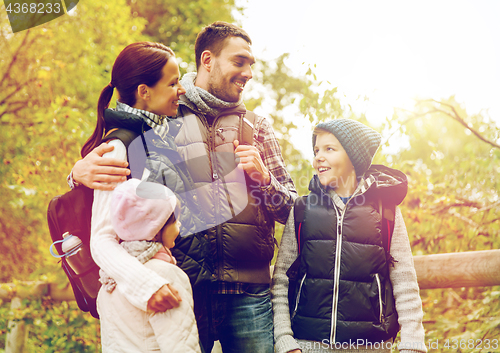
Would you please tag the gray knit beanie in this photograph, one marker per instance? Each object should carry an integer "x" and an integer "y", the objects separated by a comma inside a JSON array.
[{"x": 359, "y": 141}]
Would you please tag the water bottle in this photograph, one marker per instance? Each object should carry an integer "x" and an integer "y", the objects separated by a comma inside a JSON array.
[{"x": 78, "y": 257}]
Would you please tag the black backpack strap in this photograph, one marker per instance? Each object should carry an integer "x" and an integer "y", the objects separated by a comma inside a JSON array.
[
  {"x": 298, "y": 217},
  {"x": 124, "y": 135},
  {"x": 247, "y": 125},
  {"x": 127, "y": 136},
  {"x": 388, "y": 213}
]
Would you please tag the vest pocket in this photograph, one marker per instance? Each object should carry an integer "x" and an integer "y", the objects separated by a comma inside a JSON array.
[{"x": 379, "y": 287}]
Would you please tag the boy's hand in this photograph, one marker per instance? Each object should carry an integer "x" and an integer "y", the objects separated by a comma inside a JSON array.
[
  {"x": 251, "y": 163},
  {"x": 94, "y": 171},
  {"x": 167, "y": 297}
]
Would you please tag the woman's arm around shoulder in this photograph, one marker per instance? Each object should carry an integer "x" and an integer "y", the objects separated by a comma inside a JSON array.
[{"x": 99, "y": 170}]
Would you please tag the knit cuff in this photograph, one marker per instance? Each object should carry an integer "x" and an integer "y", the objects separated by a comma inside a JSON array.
[
  {"x": 72, "y": 183},
  {"x": 285, "y": 344}
]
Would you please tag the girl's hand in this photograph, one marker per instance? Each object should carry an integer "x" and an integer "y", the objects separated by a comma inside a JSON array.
[{"x": 167, "y": 297}]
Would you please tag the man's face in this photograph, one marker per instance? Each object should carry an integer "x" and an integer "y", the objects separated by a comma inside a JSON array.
[{"x": 231, "y": 70}]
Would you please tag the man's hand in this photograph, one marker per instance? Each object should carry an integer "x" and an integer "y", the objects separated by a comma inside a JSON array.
[
  {"x": 94, "y": 171},
  {"x": 167, "y": 297},
  {"x": 251, "y": 163}
]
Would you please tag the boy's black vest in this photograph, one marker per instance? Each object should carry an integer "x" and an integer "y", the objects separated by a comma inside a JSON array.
[{"x": 342, "y": 290}]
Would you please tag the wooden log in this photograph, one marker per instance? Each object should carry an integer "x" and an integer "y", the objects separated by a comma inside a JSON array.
[
  {"x": 455, "y": 270},
  {"x": 451, "y": 270},
  {"x": 35, "y": 290}
]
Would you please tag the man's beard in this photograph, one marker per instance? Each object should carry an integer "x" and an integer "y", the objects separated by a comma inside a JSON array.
[{"x": 217, "y": 89}]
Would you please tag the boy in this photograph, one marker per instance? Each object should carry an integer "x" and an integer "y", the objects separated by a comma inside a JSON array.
[{"x": 335, "y": 286}]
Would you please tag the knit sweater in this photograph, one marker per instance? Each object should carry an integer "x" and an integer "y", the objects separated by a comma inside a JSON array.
[
  {"x": 134, "y": 280},
  {"x": 405, "y": 288}
]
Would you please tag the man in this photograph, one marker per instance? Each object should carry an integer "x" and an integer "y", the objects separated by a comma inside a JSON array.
[{"x": 237, "y": 310}]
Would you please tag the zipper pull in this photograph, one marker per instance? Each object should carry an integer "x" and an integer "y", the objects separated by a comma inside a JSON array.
[
  {"x": 215, "y": 176},
  {"x": 219, "y": 133}
]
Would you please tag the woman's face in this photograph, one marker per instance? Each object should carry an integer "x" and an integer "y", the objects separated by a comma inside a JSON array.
[{"x": 163, "y": 98}]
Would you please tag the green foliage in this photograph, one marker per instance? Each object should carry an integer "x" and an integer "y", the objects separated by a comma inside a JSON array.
[
  {"x": 452, "y": 206},
  {"x": 51, "y": 77},
  {"x": 177, "y": 23},
  {"x": 53, "y": 327}
]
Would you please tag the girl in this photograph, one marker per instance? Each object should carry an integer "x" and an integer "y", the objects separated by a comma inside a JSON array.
[
  {"x": 146, "y": 77},
  {"x": 337, "y": 288},
  {"x": 143, "y": 217}
]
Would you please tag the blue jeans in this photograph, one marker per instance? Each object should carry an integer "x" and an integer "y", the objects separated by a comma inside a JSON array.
[{"x": 243, "y": 323}]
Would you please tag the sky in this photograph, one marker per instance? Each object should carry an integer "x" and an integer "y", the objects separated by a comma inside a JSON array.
[{"x": 390, "y": 51}]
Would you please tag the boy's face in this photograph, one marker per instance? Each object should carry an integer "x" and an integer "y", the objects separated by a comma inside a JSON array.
[
  {"x": 169, "y": 233},
  {"x": 331, "y": 162}
]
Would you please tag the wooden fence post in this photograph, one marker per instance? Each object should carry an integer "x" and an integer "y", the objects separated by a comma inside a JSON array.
[{"x": 18, "y": 331}]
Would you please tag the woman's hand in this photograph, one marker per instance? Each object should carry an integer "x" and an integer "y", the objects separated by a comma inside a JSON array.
[
  {"x": 95, "y": 172},
  {"x": 167, "y": 297},
  {"x": 295, "y": 351}
]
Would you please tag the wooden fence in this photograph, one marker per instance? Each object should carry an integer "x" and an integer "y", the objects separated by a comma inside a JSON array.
[{"x": 452, "y": 270}]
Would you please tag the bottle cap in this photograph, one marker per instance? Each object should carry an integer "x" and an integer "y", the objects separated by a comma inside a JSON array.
[{"x": 70, "y": 242}]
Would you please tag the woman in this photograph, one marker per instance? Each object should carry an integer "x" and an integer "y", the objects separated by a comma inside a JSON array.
[{"x": 146, "y": 77}]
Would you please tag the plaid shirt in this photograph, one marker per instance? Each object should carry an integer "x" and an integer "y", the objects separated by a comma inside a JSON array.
[{"x": 281, "y": 187}]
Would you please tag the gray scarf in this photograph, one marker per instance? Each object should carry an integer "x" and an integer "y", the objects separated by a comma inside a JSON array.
[{"x": 201, "y": 99}]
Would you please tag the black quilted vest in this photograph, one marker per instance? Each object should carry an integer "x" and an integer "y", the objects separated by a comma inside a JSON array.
[{"x": 343, "y": 292}]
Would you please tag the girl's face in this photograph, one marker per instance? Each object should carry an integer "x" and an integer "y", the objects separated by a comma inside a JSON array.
[
  {"x": 163, "y": 98},
  {"x": 332, "y": 163},
  {"x": 169, "y": 233}
]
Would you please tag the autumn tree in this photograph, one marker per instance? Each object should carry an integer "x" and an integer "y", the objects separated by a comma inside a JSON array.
[
  {"x": 177, "y": 23},
  {"x": 453, "y": 162}
]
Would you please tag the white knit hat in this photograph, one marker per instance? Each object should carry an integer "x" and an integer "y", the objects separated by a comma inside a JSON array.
[{"x": 140, "y": 209}]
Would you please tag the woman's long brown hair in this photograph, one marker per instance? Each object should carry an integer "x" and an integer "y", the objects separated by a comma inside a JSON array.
[{"x": 139, "y": 63}]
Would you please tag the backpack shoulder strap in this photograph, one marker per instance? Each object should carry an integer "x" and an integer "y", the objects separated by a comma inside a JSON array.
[
  {"x": 124, "y": 135},
  {"x": 127, "y": 136},
  {"x": 298, "y": 217},
  {"x": 246, "y": 128},
  {"x": 388, "y": 213}
]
